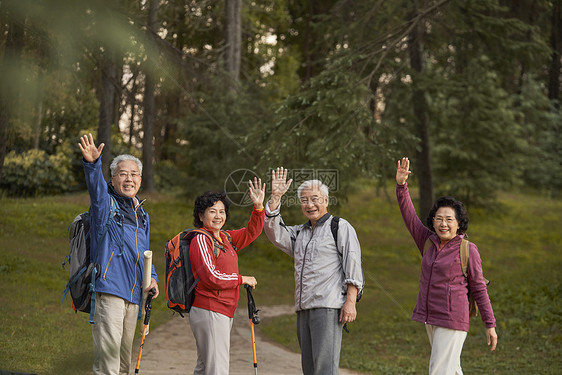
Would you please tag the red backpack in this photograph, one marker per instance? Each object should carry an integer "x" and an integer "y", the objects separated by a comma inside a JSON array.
[{"x": 180, "y": 281}]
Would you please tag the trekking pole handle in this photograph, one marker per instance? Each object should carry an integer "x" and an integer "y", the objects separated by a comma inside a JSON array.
[
  {"x": 252, "y": 310},
  {"x": 148, "y": 305}
]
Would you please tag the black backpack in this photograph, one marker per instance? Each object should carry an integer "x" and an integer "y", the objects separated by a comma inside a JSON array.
[
  {"x": 83, "y": 272},
  {"x": 180, "y": 282}
]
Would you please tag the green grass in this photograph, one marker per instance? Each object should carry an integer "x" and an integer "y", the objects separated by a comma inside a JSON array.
[
  {"x": 520, "y": 248},
  {"x": 519, "y": 245}
]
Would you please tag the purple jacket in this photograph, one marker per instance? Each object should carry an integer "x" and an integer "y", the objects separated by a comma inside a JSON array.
[{"x": 442, "y": 298}]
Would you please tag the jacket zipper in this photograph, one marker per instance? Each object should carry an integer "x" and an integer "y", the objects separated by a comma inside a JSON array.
[
  {"x": 108, "y": 263},
  {"x": 136, "y": 244},
  {"x": 428, "y": 287},
  {"x": 302, "y": 268}
]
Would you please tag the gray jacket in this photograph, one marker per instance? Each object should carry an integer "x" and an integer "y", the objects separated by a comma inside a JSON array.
[{"x": 322, "y": 270}]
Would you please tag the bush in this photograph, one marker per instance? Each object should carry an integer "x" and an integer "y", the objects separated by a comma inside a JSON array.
[{"x": 34, "y": 173}]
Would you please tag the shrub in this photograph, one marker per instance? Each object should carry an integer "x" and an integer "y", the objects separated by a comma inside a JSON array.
[{"x": 34, "y": 173}]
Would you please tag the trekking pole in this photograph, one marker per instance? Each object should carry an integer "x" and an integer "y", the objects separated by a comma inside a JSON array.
[
  {"x": 147, "y": 309},
  {"x": 145, "y": 284},
  {"x": 254, "y": 319}
]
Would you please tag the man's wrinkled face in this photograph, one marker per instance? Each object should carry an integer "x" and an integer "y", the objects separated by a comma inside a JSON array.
[
  {"x": 314, "y": 204},
  {"x": 127, "y": 179}
]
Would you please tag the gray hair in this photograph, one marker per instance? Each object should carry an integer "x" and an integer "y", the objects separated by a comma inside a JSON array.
[
  {"x": 310, "y": 184},
  {"x": 123, "y": 157}
]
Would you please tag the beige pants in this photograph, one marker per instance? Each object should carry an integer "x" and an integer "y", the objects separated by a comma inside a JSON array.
[
  {"x": 446, "y": 348},
  {"x": 212, "y": 336},
  {"x": 113, "y": 332}
]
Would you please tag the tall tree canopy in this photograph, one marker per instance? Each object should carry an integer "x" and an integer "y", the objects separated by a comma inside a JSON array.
[{"x": 204, "y": 88}]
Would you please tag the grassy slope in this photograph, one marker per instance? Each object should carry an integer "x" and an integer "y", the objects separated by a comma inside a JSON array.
[
  {"x": 39, "y": 333},
  {"x": 520, "y": 250}
]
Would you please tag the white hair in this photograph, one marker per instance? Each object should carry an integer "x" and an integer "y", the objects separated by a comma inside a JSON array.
[
  {"x": 123, "y": 157},
  {"x": 310, "y": 184}
]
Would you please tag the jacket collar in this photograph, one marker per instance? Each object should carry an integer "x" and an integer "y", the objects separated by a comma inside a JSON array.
[{"x": 320, "y": 221}]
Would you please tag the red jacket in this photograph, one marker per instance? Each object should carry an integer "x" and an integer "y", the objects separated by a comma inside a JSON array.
[
  {"x": 442, "y": 298},
  {"x": 217, "y": 290}
]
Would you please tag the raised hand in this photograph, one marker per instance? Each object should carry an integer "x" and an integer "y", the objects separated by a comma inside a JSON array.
[
  {"x": 257, "y": 192},
  {"x": 402, "y": 172},
  {"x": 279, "y": 186},
  {"x": 90, "y": 152}
]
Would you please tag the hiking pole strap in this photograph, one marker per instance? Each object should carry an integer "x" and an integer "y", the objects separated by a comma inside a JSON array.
[
  {"x": 252, "y": 310},
  {"x": 148, "y": 307},
  {"x": 92, "y": 292}
]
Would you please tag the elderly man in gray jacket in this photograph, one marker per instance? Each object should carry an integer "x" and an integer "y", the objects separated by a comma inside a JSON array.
[{"x": 328, "y": 276}]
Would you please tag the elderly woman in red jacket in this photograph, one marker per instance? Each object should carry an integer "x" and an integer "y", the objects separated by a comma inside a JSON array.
[
  {"x": 442, "y": 303},
  {"x": 216, "y": 293}
]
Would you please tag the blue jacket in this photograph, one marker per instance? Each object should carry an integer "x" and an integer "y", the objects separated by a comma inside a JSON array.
[{"x": 121, "y": 254}]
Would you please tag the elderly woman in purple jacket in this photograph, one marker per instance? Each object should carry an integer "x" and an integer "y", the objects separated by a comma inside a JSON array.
[{"x": 442, "y": 303}]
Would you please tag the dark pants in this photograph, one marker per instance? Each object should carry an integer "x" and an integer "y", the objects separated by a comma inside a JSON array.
[{"x": 319, "y": 334}]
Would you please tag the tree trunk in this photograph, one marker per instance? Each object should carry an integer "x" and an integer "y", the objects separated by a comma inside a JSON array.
[
  {"x": 556, "y": 45},
  {"x": 106, "y": 97},
  {"x": 170, "y": 126},
  {"x": 4, "y": 123},
  {"x": 421, "y": 118},
  {"x": 233, "y": 38},
  {"x": 9, "y": 89},
  {"x": 132, "y": 99},
  {"x": 38, "y": 120},
  {"x": 149, "y": 110}
]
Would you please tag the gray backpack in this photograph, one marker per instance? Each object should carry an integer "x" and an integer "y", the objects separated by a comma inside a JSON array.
[{"x": 83, "y": 272}]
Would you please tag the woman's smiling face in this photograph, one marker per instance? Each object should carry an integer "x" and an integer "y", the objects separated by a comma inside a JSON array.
[
  {"x": 214, "y": 217},
  {"x": 445, "y": 223}
]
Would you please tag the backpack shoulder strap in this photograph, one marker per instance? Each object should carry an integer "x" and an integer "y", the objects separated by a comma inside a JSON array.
[
  {"x": 114, "y": 206},
  {"x": 464, "y": 257},
  {"x": 427, "y": 245},
  {"x": 216, "y": 245},
  {"x": 229, "y": 238},
  {"x": 190, "y": 233},
  {"x": 334, "y": 226},
  {"x": 227, "y": 235}
]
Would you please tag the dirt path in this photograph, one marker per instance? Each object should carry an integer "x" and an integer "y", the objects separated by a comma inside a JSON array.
[{"x": 170, "y": 349}]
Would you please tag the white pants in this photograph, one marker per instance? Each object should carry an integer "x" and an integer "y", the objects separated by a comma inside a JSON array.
[
  {"x": 113, "y": 332},
  {"x": 446, "y": 348},
  {"x": 212, "y": 336}
]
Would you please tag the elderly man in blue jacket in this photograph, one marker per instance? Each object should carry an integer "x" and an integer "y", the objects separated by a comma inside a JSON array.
[{"x": 120, "y": 255}]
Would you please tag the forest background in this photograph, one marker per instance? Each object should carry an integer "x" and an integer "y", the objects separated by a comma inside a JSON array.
[
  {"x": 208, "y": 93},
  {"x": 469, "y": 90}
]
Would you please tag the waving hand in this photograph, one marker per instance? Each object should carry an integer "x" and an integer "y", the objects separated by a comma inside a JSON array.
[
  {"x": 279, "y": 186},
  {"x": 90, "y": 152},
  {"x": 257, "y": 192},
  {"x": 402, "y": 172}
]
